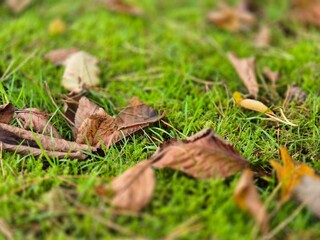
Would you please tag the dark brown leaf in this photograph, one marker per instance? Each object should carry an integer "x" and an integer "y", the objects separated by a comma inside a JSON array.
[
  {"x": 26, "y": 142},
  {"x": 6, "y": 113},
  {"x": 121, "y": 6},
  {"x": 295, "y": 93},
  {"x": 204, "y": 155},
  {"x": 308, "y": 192},
  {"x": 245, "y": 68},
  {"x": 37, "y": 121},
  {"x": 58, "y": 56},
  {"x": 247, "y": 197},
  {"x": 134, "y": 188}
]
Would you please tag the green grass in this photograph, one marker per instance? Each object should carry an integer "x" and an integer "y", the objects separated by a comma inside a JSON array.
[{"x": 153, "y": 58}]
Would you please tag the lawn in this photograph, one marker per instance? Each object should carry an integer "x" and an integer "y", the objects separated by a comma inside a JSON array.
[{"x": 159, "y": 58}]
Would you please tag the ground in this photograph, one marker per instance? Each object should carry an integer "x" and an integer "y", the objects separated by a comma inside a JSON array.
[{"x": 158, "y": 58}]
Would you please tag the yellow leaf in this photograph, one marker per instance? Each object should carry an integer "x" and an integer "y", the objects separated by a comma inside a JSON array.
[
  {"x": 290, "y": 173},
  {"x": 57, "y": 26},
  {"x": 251, "y": 104}
]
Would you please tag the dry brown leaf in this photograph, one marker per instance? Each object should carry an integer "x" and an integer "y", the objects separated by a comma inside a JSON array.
[
  {"x": 308, "y": 192},
  {"x": 81, "y": 72},
  {"x": 245, "y": 68},
  {"x": 295, "y": 93},
  {"x": 26, "y": 142},
  {"x": 290, "y": 174},
  {"x": 57, "y": 26},
  {"x": 247, "y": 198},
  {"x": 306, "y": 12},
  {"x": 204, "y": 155},
  {"x": 134, "y": 188},
  {"x": 58, "y": 56},
  {"x": 121, "y": 6},
  {"x": 95, "y": 126},
  {"x": 18, "y": 5},
  {"x": 271, "y": 76},
  {"x": 6, "y": 112},
  {"x": 37, "y": 121},
  {"x": 232, "y": 19},
  {"x": 263, "y": 38}
]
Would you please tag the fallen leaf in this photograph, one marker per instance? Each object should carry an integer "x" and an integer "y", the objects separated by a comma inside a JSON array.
[
  {"x": 204, "y": 155},
  {"x": 6, "y": 112},
  {"x": 251, "y": 104},
  {"x": 263, "y": 38},
  {"x": 247, "y": 198},
  {"x": 26, "y": 142},
  {"x": 95, "y": 126},
  {"x": 57, "y": 26},
  {"x": 5, "y": 230},
  {"x": 232, "y": 19},
  {"x": 289, "y": 174},
  {"x": 18, "y": 5},
  {"x": 58, "y": 56},
  {"x": 37, "y": 121},
  {"x": 245, "y": 68},
  {"x": 271, "y": 76},
  {"x": 121, "y": 6},
  {"x": 306, "y": 12},
  {"x": 308, "y": 192},
  {"x": 81, "y": 72},
  {"x": 134, "y": 188},
  {"x": 295, "y": 93}
]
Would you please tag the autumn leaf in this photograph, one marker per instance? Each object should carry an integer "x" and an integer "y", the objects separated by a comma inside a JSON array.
[
  {"x": 247, "y": 198},
  {"x": 26, "y": 142},
  {"x": 81, "y": 72},
  {"x": 95, "y": 126},
  {"x": 295, "y": 93},
  {"x": 204, "y": 155},
  {"x": 271, "y": 75},
  {"x": 58, "y": 56},
  {"x": 245, "y": 68},
  {"x": 289, "y": 174},
  {"x": 263, "y": 38},
  {"x": 57, "y": 26},
  {"x": 120, "y": 6},
  {"x": 232, "y": 19},
  {"x": 308, "y": 192},
  {"x": 18, "y": 6},
  {"x": 133, "y": 189},
  {"x": 306, "y": 12},
  {"x": 37, "y": 121},
  {"x": 6, "y": 112}
]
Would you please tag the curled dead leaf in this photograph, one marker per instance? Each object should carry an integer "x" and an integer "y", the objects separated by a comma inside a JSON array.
[
  {"x": 289, "y": 174},
  {"x": 58, "y": 56},
  {"x": 263, "y": 38},
  {"x": 232, "y": 19},
  {"x": 36, "y": 120},
  {"x": 204, "y": 155},
  {"x": 295, "y": 93},
  {"x": 271, "y": 76},
  {"x": 18, "y": 6},
  {"x": 308, "y": 192},
  {"x": 134, "y": 188},
  {"x": 245, "y": 68},
  {"x": 81, "y": 72},
  {"x": 121, "y": 6},
  {"x": 6, "y": 112},
  {"x": 247, "y": 198}
]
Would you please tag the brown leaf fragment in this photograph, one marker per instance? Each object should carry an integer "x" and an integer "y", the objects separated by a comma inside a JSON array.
[
  {"x": 263, "y": 38},
  {"x": 97, "y": 127},
  {"x": 5, "y": 230},
  {"x": 306, "y": 12},
  {"x": 245, "y": 67},
  {"x": 18, "y": 6},
  {"x": 272, "y": 76},
  {"x": 204, "y": 155},
  {"x": 81, "y": 72},
  {"x": 134, "y": 188},
  {"x": 232, "y": 19},
  {"x": 58, "y": 56},
  {"x": 308, "y": 192},
  {"x": 247, "y": 198},
  {"x": 26, "y": 142},
  {"x": 6, "y": 112},
  {"x": 295, "y": 93},
  {"x": 38, "y": 121},
  {"x": 121, "y": 6}
]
